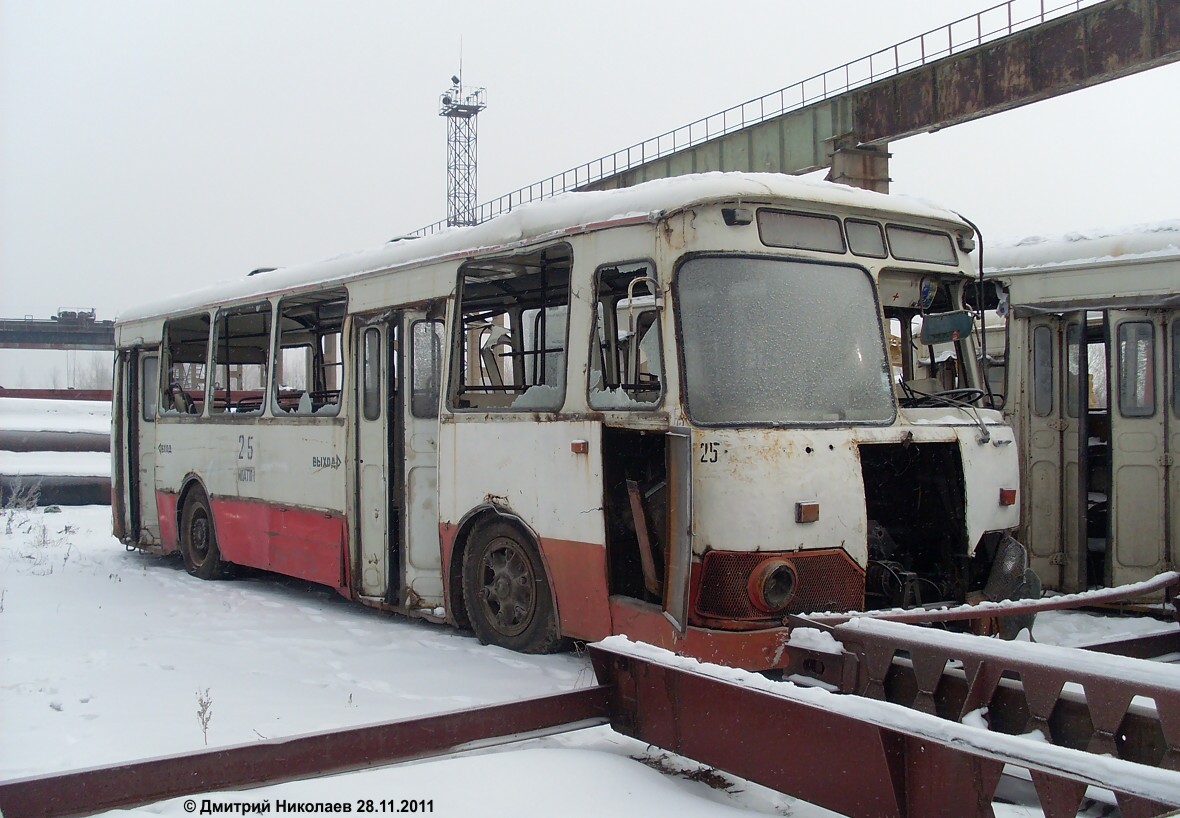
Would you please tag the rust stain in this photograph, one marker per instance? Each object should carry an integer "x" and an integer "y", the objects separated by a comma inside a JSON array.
[
  {"x": 1006, "y": 76},
  {"x": 960, "y": 89},
  {"x": 1078, "y": 50},
  {"x": 915, "y": 99},
  {"x": 1058, "y": 56},
  {"x": 1165, "y": 28},
  {"x": 1115, "y": 39}
]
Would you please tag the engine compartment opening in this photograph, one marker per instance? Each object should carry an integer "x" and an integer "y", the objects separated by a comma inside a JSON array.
[{"x": 917, "y": 538}]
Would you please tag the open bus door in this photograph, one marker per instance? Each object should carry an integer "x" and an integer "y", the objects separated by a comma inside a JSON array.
[
  {"x": 1172, "y": 424},
  {"x": 1139, "y": 452},
  {"x": 136, "y": 391},
  {"x": 399, "y": 362},
  {"x": 678, "y": 566},
  {"x": 422, "y": 374},
  {"x": 376, "y": 515},
  {"x": 1044, "y": 530}
]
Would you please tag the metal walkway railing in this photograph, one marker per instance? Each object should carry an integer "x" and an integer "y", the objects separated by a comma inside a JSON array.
[{"x": 968, "y": 32}]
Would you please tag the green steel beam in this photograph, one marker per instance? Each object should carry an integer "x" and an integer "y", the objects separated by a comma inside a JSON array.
[{"x": 1097, "y": 44}]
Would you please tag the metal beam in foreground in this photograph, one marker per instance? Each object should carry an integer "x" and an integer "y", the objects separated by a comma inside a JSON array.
[
  {"x": 849, "y": 754},
  {"x": 845, "y": 753},
  {"x": 84, "y": 792}
]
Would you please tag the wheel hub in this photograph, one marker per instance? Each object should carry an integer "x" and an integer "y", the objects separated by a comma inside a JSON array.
[
  {"x": 199, "y": 537},
  {"x": 507, "y": 588}
]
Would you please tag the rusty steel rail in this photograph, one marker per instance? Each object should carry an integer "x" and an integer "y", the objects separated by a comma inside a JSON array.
[
  {"x": 1147, "y": 646},
  {"x": 883, "y": 655},
  {"x": 83, "y": 792},
  {"x": 848, "y": 754},
  {"x": 1169, "y": 582},
  {"x": 1127, "y": 708}
]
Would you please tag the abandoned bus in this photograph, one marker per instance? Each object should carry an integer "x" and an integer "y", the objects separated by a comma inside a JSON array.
[
  {"x": 1111, "y": 300},
  {"x": 669, "y": 411}
]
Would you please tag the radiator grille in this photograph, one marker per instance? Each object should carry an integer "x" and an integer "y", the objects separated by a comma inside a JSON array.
[{"x": 827, "y": 581}]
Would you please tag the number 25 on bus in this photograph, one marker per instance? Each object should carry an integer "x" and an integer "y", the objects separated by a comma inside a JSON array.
[{"x": 682, "y": 411}]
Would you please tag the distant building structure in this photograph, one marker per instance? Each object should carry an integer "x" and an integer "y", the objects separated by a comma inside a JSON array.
[{"x": 461, "y": 106}]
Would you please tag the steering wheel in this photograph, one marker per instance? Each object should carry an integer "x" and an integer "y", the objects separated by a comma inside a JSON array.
[{"x": 963, "y": 394}]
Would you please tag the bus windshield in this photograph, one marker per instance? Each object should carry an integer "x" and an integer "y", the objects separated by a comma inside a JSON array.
[{"x": 775, "y": 341}]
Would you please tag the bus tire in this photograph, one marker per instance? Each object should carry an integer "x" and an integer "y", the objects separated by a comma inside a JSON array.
[
  {"x": 506, "y": 592},
  {"x": 198, "y": 539}
]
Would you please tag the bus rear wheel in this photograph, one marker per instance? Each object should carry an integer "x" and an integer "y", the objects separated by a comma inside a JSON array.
[
  {"x": 506, "y": 592},
  {"x": 198, "y": 540}
]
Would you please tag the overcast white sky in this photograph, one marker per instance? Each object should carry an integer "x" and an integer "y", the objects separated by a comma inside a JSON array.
[{"x": 147, "y": 147}]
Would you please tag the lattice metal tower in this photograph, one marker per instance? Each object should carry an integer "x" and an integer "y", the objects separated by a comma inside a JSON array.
[{"x": 461, "y": 105}]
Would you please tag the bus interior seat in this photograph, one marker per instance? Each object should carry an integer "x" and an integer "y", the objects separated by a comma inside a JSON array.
[
  {"x": 498, "y": 336},
  {"x": 181, "y": 401}
]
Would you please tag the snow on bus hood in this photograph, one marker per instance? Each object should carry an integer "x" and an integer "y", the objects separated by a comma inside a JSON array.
[
  {"x": 538, "y": 219},
  {"x": 948, "y": 416}
]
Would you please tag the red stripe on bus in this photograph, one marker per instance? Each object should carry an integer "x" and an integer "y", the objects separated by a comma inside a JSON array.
[
  {"x": 313, "y": 545},
  {"x": 166, "y": 513},
  {"x": 306, "y": 543},
  {"x": 577, "y": 573},
  {"x": 245, "y": 529}
]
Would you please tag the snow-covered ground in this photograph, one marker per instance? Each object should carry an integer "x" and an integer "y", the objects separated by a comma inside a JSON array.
[
  {"x": 105, "y": 653},
  {"x": 60, "y": 420},
  {"x": 31, "y": 415}
]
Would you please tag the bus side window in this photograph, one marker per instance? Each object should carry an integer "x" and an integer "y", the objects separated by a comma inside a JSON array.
[
  {"x": 426, "y": 338},
  {"x": 149, "y": 386},
  {"x": 626, "y": 363},
  {"x": 1042, "y": 366},
  {"x": 1176, "y": 367},
  {"x": 1136, "y": 359},
  {"x": 241, "y": 349},
  {"x": 512, "y": 332},
  {"x": 309, "y": 367},
  {"x": 182, "y": 389}
]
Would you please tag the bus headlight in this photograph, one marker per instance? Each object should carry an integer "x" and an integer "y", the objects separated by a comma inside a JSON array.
[{"x": 772, "y": 585}]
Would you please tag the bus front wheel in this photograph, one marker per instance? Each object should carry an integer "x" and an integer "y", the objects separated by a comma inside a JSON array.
[
  {"x": 506, "y": 592},
  {"x": 198, "y": 541}
]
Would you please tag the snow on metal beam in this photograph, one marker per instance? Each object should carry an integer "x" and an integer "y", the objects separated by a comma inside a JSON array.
[{"x": 848, "y": 753}]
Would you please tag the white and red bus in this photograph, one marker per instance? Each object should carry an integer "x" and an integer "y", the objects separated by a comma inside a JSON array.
[{"x": 681, "y": 411}]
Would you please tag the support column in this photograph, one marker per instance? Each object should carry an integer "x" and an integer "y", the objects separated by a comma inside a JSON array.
[{"x": 860, "y": 166}]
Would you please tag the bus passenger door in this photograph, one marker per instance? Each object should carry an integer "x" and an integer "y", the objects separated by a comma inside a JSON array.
[
  {"x": 1172, "y": 424},
  {"x": 1139, "y": 447},
  {"x": 149, "y": 390},
  {"x": 678, "y": 567},
  {"x": 376, "y": 522},
  {"x": 421, "y": 387},
  {"x": 1075, "y": 413},
  {"x": 1045, "y": 422},
  {"x": 140, "y": 386}
]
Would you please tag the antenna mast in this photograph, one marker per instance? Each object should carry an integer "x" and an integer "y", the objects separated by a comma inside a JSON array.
[{"x": 461, "y": 105}]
